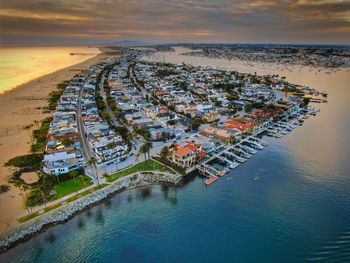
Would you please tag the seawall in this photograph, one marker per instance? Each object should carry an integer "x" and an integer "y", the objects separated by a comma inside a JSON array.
[{"x": 62, "y": 214}]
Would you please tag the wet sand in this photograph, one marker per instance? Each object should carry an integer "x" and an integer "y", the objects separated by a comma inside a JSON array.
[{"x": 20, "y": 107}]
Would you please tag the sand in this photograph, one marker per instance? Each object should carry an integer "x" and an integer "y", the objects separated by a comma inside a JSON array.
[
  {"x": 20, "y": 107},
  {"x": 30, "y": 177}
]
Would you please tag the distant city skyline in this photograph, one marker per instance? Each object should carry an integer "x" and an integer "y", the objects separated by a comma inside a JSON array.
[{"x": 99, "y": 22}]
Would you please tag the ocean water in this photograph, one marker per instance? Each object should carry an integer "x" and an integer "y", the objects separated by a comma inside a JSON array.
[
  {"x": 288, "y": 203},
  {"x": 19, "y": 65}
]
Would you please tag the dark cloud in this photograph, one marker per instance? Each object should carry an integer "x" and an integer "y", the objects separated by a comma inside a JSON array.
[{"x": 103, "y": 21}]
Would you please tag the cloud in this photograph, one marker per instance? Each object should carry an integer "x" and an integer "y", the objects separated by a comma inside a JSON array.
[{"x": 103, "y": 21}]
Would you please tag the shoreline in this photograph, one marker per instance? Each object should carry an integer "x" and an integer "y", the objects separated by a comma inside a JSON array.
[
  {"x": 243, "y": 66},
  {"x": 21, "y": 106},
  {"x": 63, "y": 214},
  {"x": 66, "y": 68},
  {"x": 37, "y": 71}
]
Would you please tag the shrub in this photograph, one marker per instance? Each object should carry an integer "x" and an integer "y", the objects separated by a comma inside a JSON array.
[
  {"x": 4, "y": 188},
  {"x": 31, "y": 161}
]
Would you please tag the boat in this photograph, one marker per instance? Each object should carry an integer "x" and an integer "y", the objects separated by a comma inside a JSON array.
[
  {"x": 233, "y": 166},
  {"x": 223, "y": 172}
]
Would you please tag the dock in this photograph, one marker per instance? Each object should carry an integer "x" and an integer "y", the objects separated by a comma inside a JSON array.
[
  {"x": 244, "y": 149},
  {"x": 249, "y": 149},
  {"x": 257, "y": 145},
  {"x": 238, "y": 158},
  {"x": 211, "y": 180}
]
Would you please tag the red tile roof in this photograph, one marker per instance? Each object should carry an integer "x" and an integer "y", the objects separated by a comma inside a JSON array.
[
  {"x": 187, "y": 149},
  {"x": 162, "y": 92},
  {"x": 241, "y": 124},
  {"x": 201, "y": 154},
  {"x": 182, "y": 151}
]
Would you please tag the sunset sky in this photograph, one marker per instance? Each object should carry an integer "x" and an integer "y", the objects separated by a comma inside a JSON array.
[{"x": 60, "y": 22}]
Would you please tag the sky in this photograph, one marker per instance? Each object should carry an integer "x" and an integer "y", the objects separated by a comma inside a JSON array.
[{"x": 68, "y": 22}]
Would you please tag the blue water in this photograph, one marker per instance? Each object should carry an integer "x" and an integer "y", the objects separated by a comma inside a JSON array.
[{"x": 289, "y": 203}]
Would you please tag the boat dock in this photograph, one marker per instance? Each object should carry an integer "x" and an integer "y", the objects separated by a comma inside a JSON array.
[
  {"x": 241, "y": 151},
  {"x": 238, "y": 158},
  {"x": 244, "y": 149},
  {"x": 210, "y": 180}
]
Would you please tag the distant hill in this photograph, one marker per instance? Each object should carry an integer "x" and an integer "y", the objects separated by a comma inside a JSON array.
[{"x": 129, "y": 42}]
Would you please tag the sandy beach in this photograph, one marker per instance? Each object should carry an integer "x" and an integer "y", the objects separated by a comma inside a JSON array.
[{"x": 20, "y": 107}]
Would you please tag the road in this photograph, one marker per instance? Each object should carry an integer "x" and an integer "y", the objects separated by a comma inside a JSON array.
[
  {"x": 131, "y": 159},
  {"x": 104, "y": 97},
  {"x": 85, "y": 146}
]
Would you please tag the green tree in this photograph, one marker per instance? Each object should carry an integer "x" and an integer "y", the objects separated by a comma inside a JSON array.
[
  {"x": 164, "y": 153},
  {"x": 137, "y": 157},
  {"x": 123, "y": 131},
  {"x": 196, "y": 123},
  {"x": 43, "y": 186},
  {"x": 4, "y": 188},
  {"x": 233, "y": 96},
  {"x": 143, "y": 150},
  {"x": 248, "y": 107},
  {"x": 19, "y": 184},
  {"x": 149, "y": 146},
  {"x": 74, "y": 175},
  {"x": 305, "y": 102},
  {"x": 130, "y": 136},
  {"x": 232, "y": 140}
]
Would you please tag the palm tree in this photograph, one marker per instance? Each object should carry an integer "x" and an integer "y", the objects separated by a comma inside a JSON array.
[
  {"x": 149, "y": 146},
  {"x": 74, "y": 174},
  {"x": 93, "y": 162},
  {"x": 137, "y": 157},
  {"x": 19, "y": 184},
  {"x": 232, "y": 140},
  {"x": 143, "y": 150},
  {"x": 42, "y": 195},
  {"x": 28, "y": 127},
  {"x": 130, "y": 136},
  {"x": 42, "y": 187},
  {"x": 113, "y": 144},
  {"x": 36, "y": 122},
  {"x": 164, "y": 153}
]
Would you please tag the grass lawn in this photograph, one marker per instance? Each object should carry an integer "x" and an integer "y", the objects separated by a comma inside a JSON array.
[
  {"x": 28, "y": 217},
  {"x": 148, "y": 165},
  {"x": 71, "y": 199},
  {"x": 68, "y": 187}
]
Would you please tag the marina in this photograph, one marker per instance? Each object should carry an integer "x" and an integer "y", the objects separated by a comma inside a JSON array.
[
  {"x": 233, "y": 156},
  {"x": 247, "y": 196},
  {"x": 175, "y": 131}
]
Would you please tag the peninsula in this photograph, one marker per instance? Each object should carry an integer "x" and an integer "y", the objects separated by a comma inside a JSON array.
[{"x": 128, "y": 116}]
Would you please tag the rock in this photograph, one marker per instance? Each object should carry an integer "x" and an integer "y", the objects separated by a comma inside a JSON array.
[{"x": 63, "y": 213}]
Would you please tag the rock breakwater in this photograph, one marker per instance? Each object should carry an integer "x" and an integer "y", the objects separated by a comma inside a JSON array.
[{"x": 67, "y": 211}]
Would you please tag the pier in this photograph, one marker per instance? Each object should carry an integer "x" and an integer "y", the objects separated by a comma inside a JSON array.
[
  {"x": 257, "y": 145},
  {"x": 238, "y": 158},
  {"x": 242, "y": 152}
]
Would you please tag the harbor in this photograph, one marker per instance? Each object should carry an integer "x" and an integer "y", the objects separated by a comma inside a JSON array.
[
  {"x": 250, "y": 197},
  {"x": 233, "y": 156}
]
